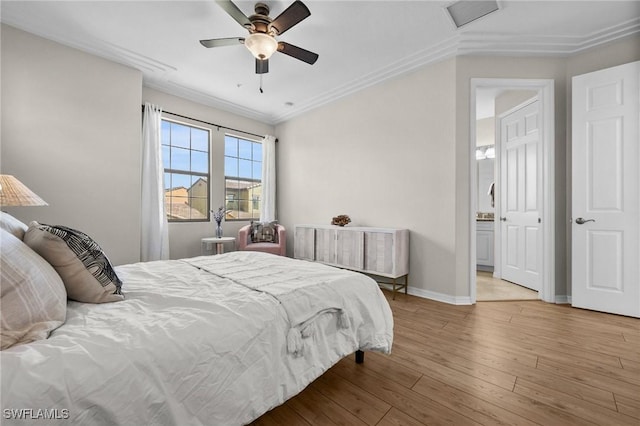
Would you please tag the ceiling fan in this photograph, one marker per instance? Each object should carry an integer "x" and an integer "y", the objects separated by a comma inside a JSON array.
[{"x": 262, "y": 29}]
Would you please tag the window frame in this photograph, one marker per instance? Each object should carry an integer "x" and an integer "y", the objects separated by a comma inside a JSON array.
[
  {"x": 238, "y": 178},
  {"x": 191, "y": 173}
]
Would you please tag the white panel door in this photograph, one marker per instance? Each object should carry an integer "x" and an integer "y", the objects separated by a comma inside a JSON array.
[
  {"x": 605, "y": 194},
  {"x": 521, "y": 196}
]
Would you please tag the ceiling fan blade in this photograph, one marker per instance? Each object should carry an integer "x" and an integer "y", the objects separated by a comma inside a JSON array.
[
  {"x": 295, "y": 13},
  {"x": 235, "y": 12},
  {"x": 219, "y": 42},
  {"x": 297, "y": 52},
  {"x": 262, "y": 66}
]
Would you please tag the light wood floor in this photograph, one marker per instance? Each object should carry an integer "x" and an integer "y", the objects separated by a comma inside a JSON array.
[
  {"x": 493, "y": 289},
  {"x": 510, "y": 363}
]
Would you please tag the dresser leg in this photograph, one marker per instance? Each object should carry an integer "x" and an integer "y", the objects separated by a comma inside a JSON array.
[{"x": 359, "y": 357}]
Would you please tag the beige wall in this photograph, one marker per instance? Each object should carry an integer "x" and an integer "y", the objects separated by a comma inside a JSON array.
[
  {"x": 486, "y": 131},
  {"x": 184, "y": 238},
  {"x": 511, "y": 99},
  {"x": 386, "y": 157},
  {"x": 71, "y": 132}
]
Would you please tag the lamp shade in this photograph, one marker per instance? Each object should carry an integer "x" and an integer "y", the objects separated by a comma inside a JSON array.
[
  {"x": 15, "y": 193},
  {"x": 261, "y": 45}
]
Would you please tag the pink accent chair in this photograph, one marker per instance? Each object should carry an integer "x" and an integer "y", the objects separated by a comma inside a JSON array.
[{"x": 279, "y": 248}]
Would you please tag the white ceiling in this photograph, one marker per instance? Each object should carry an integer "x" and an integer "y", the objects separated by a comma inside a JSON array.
[{"x": 360, "y": 43}]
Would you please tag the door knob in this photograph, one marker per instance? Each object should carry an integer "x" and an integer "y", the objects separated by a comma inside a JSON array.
[
  {"x": 504, "y": 219},
  {"x": 581, "y": 221}
]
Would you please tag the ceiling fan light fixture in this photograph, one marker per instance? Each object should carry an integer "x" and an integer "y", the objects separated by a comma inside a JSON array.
[{"x": 261, "y": 45}]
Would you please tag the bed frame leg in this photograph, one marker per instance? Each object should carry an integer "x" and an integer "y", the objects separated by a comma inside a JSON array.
[{"x": 359, "y": 357}]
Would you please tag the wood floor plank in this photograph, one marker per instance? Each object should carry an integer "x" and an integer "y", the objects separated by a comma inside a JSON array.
[
  {"x": 446, "y": 359},
  {"x": 596, "y": 317},
  {"x": 629, "y": 365},
  {"x": 535, "y": 344},
  {"x": 631, "y": 336},
  {"x": 491, "y": 314},
  {"x": 628, "y": 406},
  {"x": 396, "y": 417},
  {"x": 415, "y": 405},
  {"x": 357, "y": 401},
  {"x": 317, "y": 409},
  {"x": 469, "y": 405},
  {"x": 470, "y": 347},
  {"x": 388, "y": 368},
  {"x": 614, "y": 323},
  {"x": 601, "y": 342},
  {"x": 282, "y": 415},
  {"x": 570, "y": 404},
  {"x": 616, "y": 373},
  {"x": 513, "y": 363},
  {"x": 584, "y": 330},
  {"x": 590, "y": 378},
  {"x": 493, "y": 394},
  {"x": 419, "y": 322},
  {"x": 515, "y": 369}
]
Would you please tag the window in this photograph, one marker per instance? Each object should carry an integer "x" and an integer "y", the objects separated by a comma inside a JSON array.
[
  {"x": 243, "y": 178},
  {"x": 185, "y": 154}
]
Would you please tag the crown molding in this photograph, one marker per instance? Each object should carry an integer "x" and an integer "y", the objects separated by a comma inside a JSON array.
[
  {"x": 157, "y": 74},
  {"x": 101, "y": 48},
  {"x": 546, "y": 45},
  {"x": 197, "y": 96},
  {"x": 432, "y": 54}
]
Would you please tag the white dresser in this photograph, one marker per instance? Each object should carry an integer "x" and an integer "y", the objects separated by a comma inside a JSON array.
[{"x": 382, "y": 252}]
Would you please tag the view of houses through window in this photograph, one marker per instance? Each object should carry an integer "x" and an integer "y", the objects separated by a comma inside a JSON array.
[
  {"x": 185, "y": 157},
  {"x": 243, "y": 178}
]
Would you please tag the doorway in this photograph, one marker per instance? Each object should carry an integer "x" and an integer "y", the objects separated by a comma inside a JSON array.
[{"x": 479, "y": 239}]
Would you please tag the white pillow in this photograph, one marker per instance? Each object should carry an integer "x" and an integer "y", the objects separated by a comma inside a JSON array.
[
  {"x": 12, "y": 225},
  {"x": 33, "y": 298},
  {"x": 84, "y": 268}
]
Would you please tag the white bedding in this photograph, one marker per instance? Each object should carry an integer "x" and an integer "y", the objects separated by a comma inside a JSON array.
[{"x": 188, "y": 347}]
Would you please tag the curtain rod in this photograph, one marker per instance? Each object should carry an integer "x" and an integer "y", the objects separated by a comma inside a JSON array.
[{"x": 219, "y": 126}]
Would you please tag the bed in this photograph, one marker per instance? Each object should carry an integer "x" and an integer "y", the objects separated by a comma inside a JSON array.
[{"x": 211, "y": 340}]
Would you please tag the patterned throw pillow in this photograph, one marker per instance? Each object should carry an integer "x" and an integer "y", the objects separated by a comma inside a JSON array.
[
  {"x": 85, "y": 270},
  {"x": 264, "y": 232}
]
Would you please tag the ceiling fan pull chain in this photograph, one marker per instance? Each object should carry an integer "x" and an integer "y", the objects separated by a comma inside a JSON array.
[{"x": 261, "y": 84}]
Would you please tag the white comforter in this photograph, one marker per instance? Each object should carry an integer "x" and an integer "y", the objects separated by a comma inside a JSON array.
[{"x": 189, "y": 346}]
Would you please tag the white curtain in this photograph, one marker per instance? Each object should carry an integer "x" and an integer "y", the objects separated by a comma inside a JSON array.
[
  {"x": 268, "y": 205},
  {"x": 154, "y": 244}
]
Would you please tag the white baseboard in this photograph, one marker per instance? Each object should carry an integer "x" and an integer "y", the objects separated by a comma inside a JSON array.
[
  {"x": 439, "y": 297},
  {"x": 464, "y": 300},
  {"x": 563, "y": 300}
]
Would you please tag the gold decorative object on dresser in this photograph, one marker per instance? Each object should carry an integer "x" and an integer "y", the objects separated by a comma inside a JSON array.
[{"x": 382, "y": 252}]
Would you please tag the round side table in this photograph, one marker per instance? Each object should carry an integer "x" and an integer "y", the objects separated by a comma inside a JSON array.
[{"x": 219, "y": 242}]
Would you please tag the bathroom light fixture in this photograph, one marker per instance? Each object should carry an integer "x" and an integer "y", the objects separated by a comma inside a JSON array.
[
  {"x": 485, "y": 152},
  {"x": 490, "y": 152}
]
